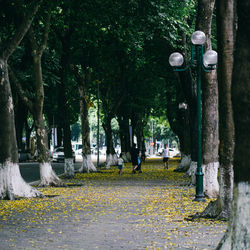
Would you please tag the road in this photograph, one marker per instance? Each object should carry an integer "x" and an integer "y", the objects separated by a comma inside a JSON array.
[{"x": 30, "y": 170}]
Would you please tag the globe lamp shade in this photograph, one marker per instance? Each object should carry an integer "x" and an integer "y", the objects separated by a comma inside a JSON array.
[
  {"x": 176, "y": 59},
  {"x": 198, "y": 37},
  {"x": 210, "y": 58}
]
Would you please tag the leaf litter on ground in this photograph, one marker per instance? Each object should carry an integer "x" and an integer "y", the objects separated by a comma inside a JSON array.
[{"x": 155, "y": 202}]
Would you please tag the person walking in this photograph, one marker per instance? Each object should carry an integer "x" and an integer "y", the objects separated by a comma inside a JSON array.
[
  {"x": 139, "y": 160},
  {"x": 165, "y": 156},
  {"x": 120, "y": 164}
]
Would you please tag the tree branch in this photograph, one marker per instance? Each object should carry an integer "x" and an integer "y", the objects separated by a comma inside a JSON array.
[
  {"x": 46, "y": 33},
  {"x": 21, "y": 31},
  {"x": 19, "y": 90},
  {"x": 34, "y": 45}
]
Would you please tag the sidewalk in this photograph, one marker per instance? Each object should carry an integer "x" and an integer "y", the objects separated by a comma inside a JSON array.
[{"x": 141, "y": 211}]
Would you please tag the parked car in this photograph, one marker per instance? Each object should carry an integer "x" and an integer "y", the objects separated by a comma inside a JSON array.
[
  {"x": 172, "y": 152},
  {"x": 58, "y": 155}
]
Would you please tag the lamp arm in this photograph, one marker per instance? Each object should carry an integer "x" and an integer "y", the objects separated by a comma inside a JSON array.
[
  {"x": 178, "y": 69},
  {"x": 206, "y": 69}
]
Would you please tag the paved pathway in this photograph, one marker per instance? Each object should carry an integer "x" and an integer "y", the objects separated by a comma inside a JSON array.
[{"x": 120, "y": 212}]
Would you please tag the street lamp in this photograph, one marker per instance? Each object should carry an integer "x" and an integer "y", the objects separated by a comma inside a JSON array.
[{"x": 206, "y": 62}]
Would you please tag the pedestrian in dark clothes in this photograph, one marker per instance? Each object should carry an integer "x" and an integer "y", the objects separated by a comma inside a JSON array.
[{"x": 134, "y": 158}]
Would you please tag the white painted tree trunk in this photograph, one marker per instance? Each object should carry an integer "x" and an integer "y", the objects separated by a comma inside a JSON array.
[
  {"x": 238, "y": 234},
  {"x": 185, "y": 162},
  {"x": 191, "y": 172},
  {"x": 48, "y": 176},
  {"x": 69, "y": 169},
  {"x": 210, "y": 180},
  {"x": 12, "y": 184},
  {"x": 87, "y": 164},
  {"x": 111, "y": 160}
]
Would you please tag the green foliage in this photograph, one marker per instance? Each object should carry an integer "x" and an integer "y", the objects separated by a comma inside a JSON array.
[
  {"x": 159, "y": 128},
  {"x": 125, "y": 44}
]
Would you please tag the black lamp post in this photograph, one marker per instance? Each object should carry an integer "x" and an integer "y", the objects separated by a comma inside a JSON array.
[{"x": 206, "y": 62}]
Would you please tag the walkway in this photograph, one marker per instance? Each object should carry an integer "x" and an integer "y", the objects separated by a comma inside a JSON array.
[{"x": 140, "y": 211}]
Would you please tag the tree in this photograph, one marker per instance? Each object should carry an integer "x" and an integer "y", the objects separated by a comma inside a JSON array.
[
  {"x": 82, "y": 76},
  {"x": 221, "y": 208},
  {"x": 63, "y": 30},
  {"x": 47, "y": 175},
  {"x": 12, "y": 184},
  {"x": 238, "y": 233},
  {"x": 35, "y": 105}
]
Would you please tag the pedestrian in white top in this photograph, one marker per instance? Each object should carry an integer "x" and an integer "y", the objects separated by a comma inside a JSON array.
[
  {"x": 165, "y": 157},
  {"x": 120, "y": 164}
]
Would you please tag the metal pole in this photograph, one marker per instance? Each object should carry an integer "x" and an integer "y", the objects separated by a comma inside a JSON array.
[
  {"x": 98, "y": 126},
  {"x": 199, "y": 174}
]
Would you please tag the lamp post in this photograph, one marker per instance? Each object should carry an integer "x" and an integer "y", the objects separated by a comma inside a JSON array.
[{"x": 205, "y": 61}]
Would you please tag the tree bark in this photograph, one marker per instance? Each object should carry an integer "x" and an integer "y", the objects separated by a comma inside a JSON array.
[
  {"x": 238, "y": 233},
  {"x": 210, "y": 123}
]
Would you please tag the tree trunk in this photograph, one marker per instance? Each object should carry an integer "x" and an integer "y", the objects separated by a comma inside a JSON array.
[
  {"x": 47, "y": 175},
  {"x": 209, "y": 107},
  {"x": 221, "y": 208},
  {"x": 87, "y": 164},
  {"x": 59, "y": 136},
  {"x": 238, "y": 234},
  {"x": 69, "y": 170},
  {"x": 141, "y": 140},
  {"x": 188, "y": 86},
  {"x": 226, "y": 38},
  {"x": 184, "y": 139},
  {"x": 225, "y": 23},
  {"x": 124, "y": 138},
  {"x": 21, "y": 114},
  {"x": 111, "y": 157}
]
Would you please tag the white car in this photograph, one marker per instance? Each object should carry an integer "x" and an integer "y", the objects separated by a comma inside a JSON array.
[
  {"x": 173, "y": 152},
  {"x": 58, "y": 155}
]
